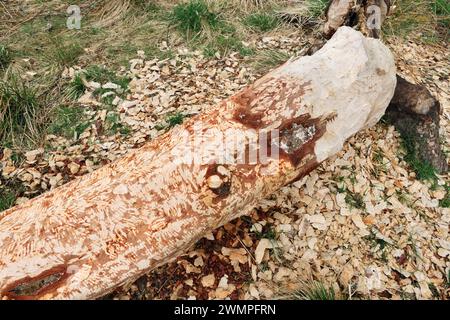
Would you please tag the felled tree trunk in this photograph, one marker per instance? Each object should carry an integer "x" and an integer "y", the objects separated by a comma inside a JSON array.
[
  {"x": 414, "y": 111},
  {"x": 83, "y": 239}
]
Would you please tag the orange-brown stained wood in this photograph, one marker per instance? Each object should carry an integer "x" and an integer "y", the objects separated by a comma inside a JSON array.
[{"x": 107, "y": 228}]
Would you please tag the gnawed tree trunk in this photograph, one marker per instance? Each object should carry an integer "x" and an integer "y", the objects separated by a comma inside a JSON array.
[
  {"x": 83, "y": 239},
  {"x": 414, "y": 111}
]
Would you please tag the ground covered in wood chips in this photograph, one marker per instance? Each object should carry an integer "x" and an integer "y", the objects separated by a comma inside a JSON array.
[{"x": 361, "y": 226}]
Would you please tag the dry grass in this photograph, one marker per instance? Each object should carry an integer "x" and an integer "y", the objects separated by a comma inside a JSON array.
[
  {"x": 426, "y": 20},
  {"x": 250, "y": 5},
  {"x": 309, "y": 287},
  {"x": 110, "y": 12}
]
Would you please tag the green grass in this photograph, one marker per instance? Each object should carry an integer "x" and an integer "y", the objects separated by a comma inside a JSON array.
[
  {"x": 420, "y": 19},
  {"x": 115, "y": 126},
  {"x": 448, "y": 279},
  {"x": 355, "y": 200},
  {"x": 175, "y": 119},
  {"x": 441, "y": 8},
  {"x": 445, "y": 203},
  {"x": 9, "y": 191},
  {"x": 269, "y": 59},
  {"x": 316, "y": 8},
  {"x": 102, "y": 75},
  {"x": 147, "y": 6},
  {"x": 379, "y": 245},
  {"x": 171, "y": 121},
  {"x": 225, "y": 44},
  {"x": 19, "y": 107},
  {"x": 76, "y": 87},
  {"x": 379, "y": 164},
  {"x": 206, "y": 29},
  {"x": 7, "y": 199},
  {"x": 99, "y": 74},
  {"x": 423, "y": 169},
  {"x": 193, "y": 17},
  {"x": 267, "y": 232},
  {"x": 261, "y": 22},
  {"x": 68, "y": 121},
  {"x": 64, "y": 54},
  {"x": 5, "y": 57},
  {"x": 315, "y": 290}
]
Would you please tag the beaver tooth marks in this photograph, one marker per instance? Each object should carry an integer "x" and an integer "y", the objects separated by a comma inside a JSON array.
[
  {"x": 278, "y": 101},
  {"x": 274, "y": 99}
]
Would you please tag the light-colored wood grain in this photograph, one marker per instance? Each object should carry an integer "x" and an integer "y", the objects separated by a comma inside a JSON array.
[{"x": 82, "y": 240}]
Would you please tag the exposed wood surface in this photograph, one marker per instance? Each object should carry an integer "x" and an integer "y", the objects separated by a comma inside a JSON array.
[
  {"x": 414, "y": 111},
  {"x": 82, "y": 240}
]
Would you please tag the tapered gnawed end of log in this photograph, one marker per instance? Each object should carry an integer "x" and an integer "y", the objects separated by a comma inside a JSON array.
[
  {"x": 85, "y": 238},
  {"x": 414, "y": 111}
]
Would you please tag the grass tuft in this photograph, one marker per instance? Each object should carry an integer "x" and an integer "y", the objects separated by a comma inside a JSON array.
[
  {"x": 64, "y": 55},
  {"x": 426, "y": 20},
  {"x": 98, "y": 74},
  {"x": 19, "y": 106},
  {"x": 316, "y": 8},
  {"x": 193, "y": 17},
  {"x": 146, "y": 6},
  {"x": 7, "y": 199},
  {"x": 102, "y": 75},
  {"x": 175, "y": 119},
  {"x": 315, "y": 290},
  {"x": 441, "y": 8},
  {"x": 5, "y": 57},
  {"x": 115, "y": 126},
  {"x": 269, "y": 59},
  {"x": 225, "y": 44},
  {"x": 261, "y": 21},
  {"x": 423, "y": 169},
  {"x": 445, "y": 203},
  {"x": 10, "y": 190},
  {"x": 76, "y": 87},
  {"x": 171, "y": 121},
  {"x": 355, "y": 200},
  {"x": 68, "y": 121}
]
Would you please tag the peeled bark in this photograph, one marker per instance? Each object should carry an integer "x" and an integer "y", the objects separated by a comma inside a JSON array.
[{"x": 83, "y": 239}]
